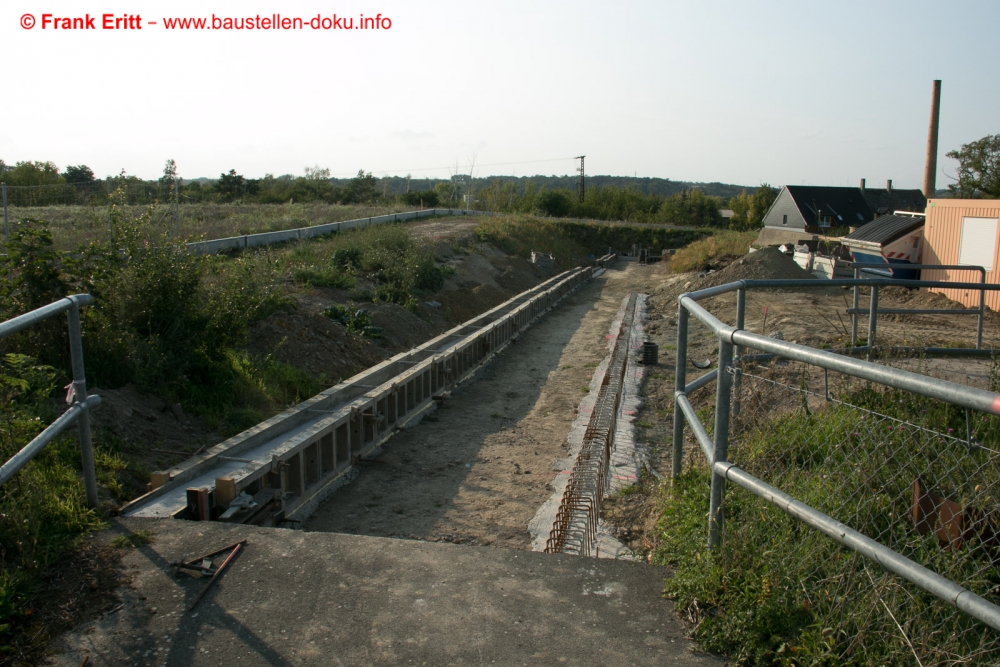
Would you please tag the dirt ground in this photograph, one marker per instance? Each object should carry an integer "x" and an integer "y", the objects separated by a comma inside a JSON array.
[
  {"x": 478, "y": 469},
  {"x": 811, "y": 316}
]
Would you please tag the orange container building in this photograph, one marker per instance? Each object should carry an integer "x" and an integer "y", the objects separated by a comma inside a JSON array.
[{"x": 963, "y": 231}]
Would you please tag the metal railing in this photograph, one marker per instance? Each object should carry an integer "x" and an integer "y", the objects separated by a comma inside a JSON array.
[
  {"x": 879, "y": 474},
  {"x": 873, "y": 310},
  {"x": 80, "y": 402}
]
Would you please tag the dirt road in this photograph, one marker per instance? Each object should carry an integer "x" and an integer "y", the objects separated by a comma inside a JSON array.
[{"x": 477, "y": 470}]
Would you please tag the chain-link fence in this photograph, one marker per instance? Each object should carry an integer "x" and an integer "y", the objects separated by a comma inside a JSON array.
[
  {"x": 856, "y": 503},
  {"x": 899, "y": 468}
]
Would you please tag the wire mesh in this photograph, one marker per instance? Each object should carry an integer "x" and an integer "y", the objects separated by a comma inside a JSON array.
[{"x": 917, "y": 475}]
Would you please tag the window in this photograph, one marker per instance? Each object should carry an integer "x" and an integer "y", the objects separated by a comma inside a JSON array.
[
  {"x": 978, "y": 245},
  {"x": 784, "y": 219},
  {"x": 825, "y": 220}
]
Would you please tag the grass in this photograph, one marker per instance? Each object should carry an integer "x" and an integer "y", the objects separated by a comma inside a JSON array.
[
  {"x": 73, "y": 226},
  {"x": 139, "y": 538},
  {"x": 520, "y": 234},
  {"x": 695, "y": 256},
  {"x": 779, "y": 593}
]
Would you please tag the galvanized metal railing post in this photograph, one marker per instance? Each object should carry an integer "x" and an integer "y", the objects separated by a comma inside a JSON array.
[
  {"x": 872, "y": 320},
  {"x": 854, "y": 309},
  {"x": 741, "y": 312},
  {"x": 982, "y": 311},
  {"x": 80, "y": 396},
  {"x": 723, "y": 384},
  {"x": 680, "y": 379}
]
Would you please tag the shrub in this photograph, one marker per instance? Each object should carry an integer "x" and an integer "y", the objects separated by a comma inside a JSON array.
[
  {"x": 429, "y": 198},
  {"x": 554, "y": 203}
]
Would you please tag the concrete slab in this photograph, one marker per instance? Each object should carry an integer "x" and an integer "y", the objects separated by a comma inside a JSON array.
[{"x": 300, "y": 598}]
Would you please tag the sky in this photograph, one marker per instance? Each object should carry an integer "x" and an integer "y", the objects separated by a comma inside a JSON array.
[{"x": 796, "y": 92}]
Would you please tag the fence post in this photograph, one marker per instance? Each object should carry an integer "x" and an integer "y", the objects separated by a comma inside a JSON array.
[
  {"x": 982, "y": 309},
  {"x": 741, "y": 313},
  {"x": 723, "y": 393},
  {"x": 177, "y": 204},
  {"x": 872, "y": 320},
  {"x": 854, "y": 315},
  {"x": 80, "y": 396},
  {"x": 680, "y": 379}
]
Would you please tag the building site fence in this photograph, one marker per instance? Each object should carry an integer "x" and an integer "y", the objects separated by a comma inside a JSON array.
[
  {"x": 894, "y": 473},
  {"x": 873, "y": 309},
  {"x": 79, "y": 401}
]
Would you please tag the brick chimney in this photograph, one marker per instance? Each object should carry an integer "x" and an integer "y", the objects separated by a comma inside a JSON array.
[
  {"x": 888, "y": 186},
  {"x": 862, "y": 186}
]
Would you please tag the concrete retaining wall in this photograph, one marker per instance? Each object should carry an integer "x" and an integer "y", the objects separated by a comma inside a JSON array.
[{"x": 268, "y": 238}]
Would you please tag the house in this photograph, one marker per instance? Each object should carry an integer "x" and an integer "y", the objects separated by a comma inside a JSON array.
[
  {"x": 963, "y": 231},
  {"x": 801, "y": 211}
]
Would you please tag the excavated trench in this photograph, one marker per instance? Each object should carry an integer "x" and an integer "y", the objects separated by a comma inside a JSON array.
[{"x": 479, "y": 468}]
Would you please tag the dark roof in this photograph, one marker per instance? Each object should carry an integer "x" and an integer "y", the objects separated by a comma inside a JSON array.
[
  {"x": 849, "y": 206},
  {"x": 886, "y": 229},
  {"x": 886, "y": 201},
  {"x": 844, "y": 205}
]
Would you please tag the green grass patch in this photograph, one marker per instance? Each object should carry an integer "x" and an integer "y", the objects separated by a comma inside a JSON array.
[
  {"x": 779, "y": 593},
  {"x": 695, "y": 256},
  {"x": 139, "y": 538}
]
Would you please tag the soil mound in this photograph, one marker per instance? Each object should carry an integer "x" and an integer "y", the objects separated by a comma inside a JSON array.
[
  {"x": 315, "y": 344},
  {"x": 765, "y": 264}
]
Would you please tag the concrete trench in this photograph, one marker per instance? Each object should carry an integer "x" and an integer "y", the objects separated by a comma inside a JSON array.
[
  {"x": 319, "y": 596},
  {"x": 283, "y": 468}
]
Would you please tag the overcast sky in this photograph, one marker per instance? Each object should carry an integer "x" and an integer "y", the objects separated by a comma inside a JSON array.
[{"x": 743, "y": 92}]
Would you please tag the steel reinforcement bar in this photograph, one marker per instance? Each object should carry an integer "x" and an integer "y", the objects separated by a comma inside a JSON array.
[
  {"x": 575, "y": 526},
  {"x": 295, "y": 459}
]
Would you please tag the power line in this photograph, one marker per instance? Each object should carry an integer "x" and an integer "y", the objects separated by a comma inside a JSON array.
[{"x": 492, "y": 164}]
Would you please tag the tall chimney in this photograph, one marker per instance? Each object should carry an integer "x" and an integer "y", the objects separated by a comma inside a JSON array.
[
  {"x": 930, "y": 166},
  {"x": 862, "y": 186},
  {"x": 888, "y": 186}
]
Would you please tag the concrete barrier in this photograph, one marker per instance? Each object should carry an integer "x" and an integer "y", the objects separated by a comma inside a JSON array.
[{"x": 268, "y": 238}]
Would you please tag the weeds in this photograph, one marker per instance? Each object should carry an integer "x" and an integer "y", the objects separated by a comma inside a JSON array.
[
  {"x": 139, "y": 538},
  {"x": 695, "y": 256}
]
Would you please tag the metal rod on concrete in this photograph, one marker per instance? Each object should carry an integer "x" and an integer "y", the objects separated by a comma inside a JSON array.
[
  {"x": 680, "y": 378},
  {"x": 80, "y": 395},
  {"x": 722, "y": 398}
]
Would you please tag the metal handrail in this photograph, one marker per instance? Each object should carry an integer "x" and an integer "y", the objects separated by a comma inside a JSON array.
[
  {"x": 733, "y": 340},
  {"x": 80, "y": 401},
  {"x": 873, "y": 310}
]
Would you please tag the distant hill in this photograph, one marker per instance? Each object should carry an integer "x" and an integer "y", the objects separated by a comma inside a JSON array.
[{"x": 659, "y": 186}]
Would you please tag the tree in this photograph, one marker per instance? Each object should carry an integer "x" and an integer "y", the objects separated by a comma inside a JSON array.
[
  {"x": 554, "y": 203},
  {"x": 749, "y": 210},
  {"x": 33, "y": 173},
  {"x": 80, "y": 173},
  {"x": 361, "y": 189},
  {"x": 230, "y": 186},
  {"x": 169, "y": 173},
  {"x": 978, "y": 169},
  {"x": 691, "y": 207}
]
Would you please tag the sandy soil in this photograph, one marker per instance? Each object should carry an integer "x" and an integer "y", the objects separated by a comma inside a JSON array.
[{"x": 477, "y": 470}]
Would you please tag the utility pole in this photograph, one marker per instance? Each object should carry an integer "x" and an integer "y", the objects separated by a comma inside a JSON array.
[{"x": 580, "y": 187}]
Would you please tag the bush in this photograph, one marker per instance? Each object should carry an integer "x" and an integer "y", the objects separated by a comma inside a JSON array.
[
  {"x": 695, "y": 256},
  {"x": 554, "y": 203},
  {"x": 429, "y": 198}
]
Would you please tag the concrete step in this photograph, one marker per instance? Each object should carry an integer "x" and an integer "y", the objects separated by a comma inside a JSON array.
[{"x": 301, "y": 598}]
